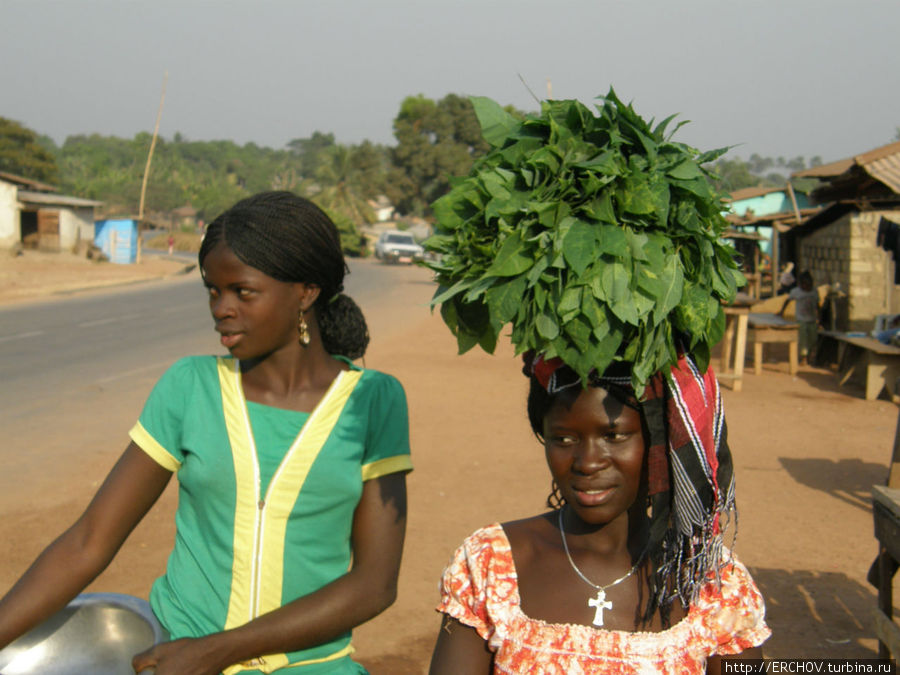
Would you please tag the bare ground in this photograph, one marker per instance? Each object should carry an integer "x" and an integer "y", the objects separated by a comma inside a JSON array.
[{"x": 806, "y": 455}]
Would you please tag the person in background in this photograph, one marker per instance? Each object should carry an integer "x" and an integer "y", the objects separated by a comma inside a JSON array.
[
  {"x": 806, "y": 314},
  {"x": 786, "y": 281}
]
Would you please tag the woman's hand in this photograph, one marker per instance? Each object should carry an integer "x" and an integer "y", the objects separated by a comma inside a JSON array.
[
  {"x": 379, "y": 525},
  {"x": 179, "y": 657}
]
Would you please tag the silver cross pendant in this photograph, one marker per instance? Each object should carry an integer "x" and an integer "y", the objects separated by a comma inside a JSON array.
[{"x": 600, "y": 603}]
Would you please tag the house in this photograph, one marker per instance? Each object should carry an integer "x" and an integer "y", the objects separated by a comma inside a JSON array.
[
  {"x": 184, "y": 217},
  {"x": 382, "y": 208},
  {"x": 853, "y": 242},
  {"x": 32, "y": 214}
]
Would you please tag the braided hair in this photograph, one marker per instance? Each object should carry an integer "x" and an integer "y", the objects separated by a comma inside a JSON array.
[{"x": 291, "y": 239}]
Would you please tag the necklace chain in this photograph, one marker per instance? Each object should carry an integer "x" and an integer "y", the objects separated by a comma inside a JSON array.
[{"x": 562, "y": 532}]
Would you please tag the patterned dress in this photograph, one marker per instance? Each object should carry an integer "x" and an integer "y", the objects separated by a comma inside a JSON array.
[{"x": 480, "y": 589}]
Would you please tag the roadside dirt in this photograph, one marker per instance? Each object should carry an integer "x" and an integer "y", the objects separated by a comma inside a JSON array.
[
  {"x": 37, "y": 274},
  {"x": 806, "y": 455}
]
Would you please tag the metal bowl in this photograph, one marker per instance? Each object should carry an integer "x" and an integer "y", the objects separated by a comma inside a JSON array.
[{"x": 95, "y": 634}]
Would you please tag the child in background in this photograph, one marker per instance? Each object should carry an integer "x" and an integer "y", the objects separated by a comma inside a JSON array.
[{"x": 807, "y": 313}]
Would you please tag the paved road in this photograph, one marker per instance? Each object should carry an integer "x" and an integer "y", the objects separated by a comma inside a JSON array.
[{"x": 53, "y": 352}]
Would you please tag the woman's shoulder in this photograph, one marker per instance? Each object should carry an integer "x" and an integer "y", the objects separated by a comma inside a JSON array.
[
  {"x": 480, "y": 560},
  {"x": 188, "y": 368},
  {"x": 488, "y": 537},
  {"x": 528, "y": 537},
  {"x": 379, "y": 382}
]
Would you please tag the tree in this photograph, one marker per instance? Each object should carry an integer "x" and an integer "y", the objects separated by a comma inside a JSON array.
[
  {"x": 735, "y": 173},
  {"x": 310, "y": 151},
  {"x": 435, "y": 140},
  {"x": 337, "y": 176},
  {"x": 22, "y": 153}
]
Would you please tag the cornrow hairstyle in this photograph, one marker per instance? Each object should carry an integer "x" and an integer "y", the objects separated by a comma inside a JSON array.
[{"x": 291, "y": 239}]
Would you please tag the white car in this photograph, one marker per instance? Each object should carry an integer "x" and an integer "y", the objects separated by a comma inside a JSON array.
[{"x": 396, "y": 246}]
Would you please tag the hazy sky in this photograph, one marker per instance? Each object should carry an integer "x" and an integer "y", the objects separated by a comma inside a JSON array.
[{"x": 775, "y": 77}]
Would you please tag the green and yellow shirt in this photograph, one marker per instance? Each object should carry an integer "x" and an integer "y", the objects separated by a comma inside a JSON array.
[{"x": 266, "y": 496}]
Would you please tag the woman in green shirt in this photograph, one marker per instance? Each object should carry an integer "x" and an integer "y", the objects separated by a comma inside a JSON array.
[{"x": 291, "y": 465}]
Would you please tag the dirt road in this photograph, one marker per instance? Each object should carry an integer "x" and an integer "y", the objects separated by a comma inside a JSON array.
[{"x": 806, "y": 455}]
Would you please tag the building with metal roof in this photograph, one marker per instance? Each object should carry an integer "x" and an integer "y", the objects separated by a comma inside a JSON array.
[{"x": 34, "y": 214}]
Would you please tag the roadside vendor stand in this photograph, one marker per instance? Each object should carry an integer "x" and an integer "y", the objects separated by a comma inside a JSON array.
[
  {"x": 886, "y": 512},
  {"x": 874, "y": 364},
  {"x": 735, "y": 340},
  {"x": 772, "y": 329}
]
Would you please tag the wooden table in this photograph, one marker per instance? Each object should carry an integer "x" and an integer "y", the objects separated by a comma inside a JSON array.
[
  {"x": 886, "y": 512},
  {"x": 875, "y": 363},
  {"x": 735, "y": 332},
  {"x": 771, "y": 328}
]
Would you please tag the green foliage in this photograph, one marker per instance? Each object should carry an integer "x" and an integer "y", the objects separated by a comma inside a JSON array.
[
  {"x": 348, "y": 177},
  {"x": 435, "y": 140},
  {"x": 595, "y": 236},
  {"x": 209, "y": 175},
  {"x": 734, "y": 173},
  {"x": 353, "y": 243},
  {"x": 24, "y": 154},
  {"x": 212, "y": 175},
  {"x": 310, "y": 150}
]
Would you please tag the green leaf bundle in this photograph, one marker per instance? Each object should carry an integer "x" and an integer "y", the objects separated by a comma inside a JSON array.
[{"x": 596, "y": 236}]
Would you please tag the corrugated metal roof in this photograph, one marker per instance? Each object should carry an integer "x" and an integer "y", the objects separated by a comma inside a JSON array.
[
  {"x": 830, "y": 170},
  {"x": 882, "y": 164},
  {"x": 878, "y": 153},
  {"x": 26, "y": 182},
  {"x": 54, "y": 200},
  {"x": 887, "y": 170},
  {"x": 751, "y": 192}
]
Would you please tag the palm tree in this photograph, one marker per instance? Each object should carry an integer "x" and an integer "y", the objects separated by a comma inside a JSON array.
[{"x": 340, "y": 187}]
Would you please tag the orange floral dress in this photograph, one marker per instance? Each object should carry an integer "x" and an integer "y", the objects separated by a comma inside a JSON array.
[{"x": 480, "y": 589}]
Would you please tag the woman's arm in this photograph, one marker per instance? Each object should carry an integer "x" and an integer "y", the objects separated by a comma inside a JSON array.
[
  {"x": 83, "y": 551},
  {"x": 459, "y": 649},
  {"x": 379, "y": 526}
]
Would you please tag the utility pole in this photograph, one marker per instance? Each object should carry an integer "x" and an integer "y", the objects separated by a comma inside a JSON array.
[{"x": 162, "y": 100}]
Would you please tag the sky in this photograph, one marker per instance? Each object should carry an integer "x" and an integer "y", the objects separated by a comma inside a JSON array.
[{"x": 771, "y": 77}]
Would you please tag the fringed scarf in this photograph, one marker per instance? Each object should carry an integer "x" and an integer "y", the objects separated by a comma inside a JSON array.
[{"x": 689, "y": 473}]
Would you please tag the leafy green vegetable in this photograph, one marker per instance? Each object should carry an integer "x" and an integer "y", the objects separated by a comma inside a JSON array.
[{"x": 595, "y": 236}]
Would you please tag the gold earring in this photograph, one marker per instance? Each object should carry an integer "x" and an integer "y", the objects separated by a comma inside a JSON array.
[
  {"x": 555, "y": 500},
  {"x": 303, "y": 328}
]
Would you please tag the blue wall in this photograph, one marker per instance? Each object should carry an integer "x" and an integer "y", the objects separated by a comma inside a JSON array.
[
  {"x": 766, "y": 205},
  {"x": 117, "y": 239}
]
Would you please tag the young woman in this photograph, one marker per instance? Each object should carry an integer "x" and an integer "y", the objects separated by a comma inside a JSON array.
[
  {"x": 627, "y": 573},
  {"x": 290, "y": 460}
]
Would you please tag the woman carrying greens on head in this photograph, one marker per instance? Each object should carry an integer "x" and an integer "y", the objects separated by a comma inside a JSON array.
[
  {"x": 596, "y": 238},
  {"x": 290, "y": 461}
]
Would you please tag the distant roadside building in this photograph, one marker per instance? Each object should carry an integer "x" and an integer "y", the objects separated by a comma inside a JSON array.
[
  {"x": 854, "y": 242},
  {"x": 34, "y": 215},
  {"x": 760, "y": 217}
]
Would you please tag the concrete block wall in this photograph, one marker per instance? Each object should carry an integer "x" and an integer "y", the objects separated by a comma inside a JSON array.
[{"x": 846, "y": 252}]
